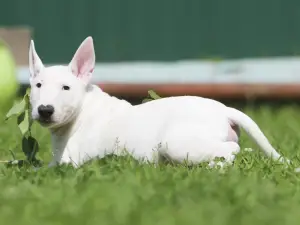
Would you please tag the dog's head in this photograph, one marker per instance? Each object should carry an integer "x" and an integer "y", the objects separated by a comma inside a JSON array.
[{"x": 58, "y": 91}]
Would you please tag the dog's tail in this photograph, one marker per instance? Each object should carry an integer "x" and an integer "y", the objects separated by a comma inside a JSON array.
[{"x": 252, "y": 129}]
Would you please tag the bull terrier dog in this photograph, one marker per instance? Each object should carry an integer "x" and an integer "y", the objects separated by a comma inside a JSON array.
[{"x": 87, "y": 123}]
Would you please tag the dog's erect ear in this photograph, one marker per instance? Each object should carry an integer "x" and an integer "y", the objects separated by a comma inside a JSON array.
[
  {"x": 35, "y": 63},
  {"x": 83, "y": 62}
]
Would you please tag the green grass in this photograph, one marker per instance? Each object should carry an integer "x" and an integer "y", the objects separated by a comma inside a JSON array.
[{"x": 119, "y": 191}]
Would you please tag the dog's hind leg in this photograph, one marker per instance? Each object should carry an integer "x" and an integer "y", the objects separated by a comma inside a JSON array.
[
  {"x": 196, "y": 150},
  {"x": 228, "y": 151}
]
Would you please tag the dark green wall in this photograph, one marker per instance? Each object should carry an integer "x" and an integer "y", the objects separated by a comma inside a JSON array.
[{"x": 159, "y": 29}]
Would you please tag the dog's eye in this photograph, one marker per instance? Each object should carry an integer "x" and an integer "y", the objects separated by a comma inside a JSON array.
[
  {"x": 65, "y": 87},
  {"x": 38, "y": 85}
]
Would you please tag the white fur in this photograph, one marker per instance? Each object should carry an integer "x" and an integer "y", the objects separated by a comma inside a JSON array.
[{"x": 89, "y": 123}]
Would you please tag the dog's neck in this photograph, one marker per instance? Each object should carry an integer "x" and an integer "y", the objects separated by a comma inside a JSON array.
[{"x": 60, "y": 137}]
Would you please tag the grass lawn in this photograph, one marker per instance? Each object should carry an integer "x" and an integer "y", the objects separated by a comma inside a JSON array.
[{"x": 119, "y": 191}]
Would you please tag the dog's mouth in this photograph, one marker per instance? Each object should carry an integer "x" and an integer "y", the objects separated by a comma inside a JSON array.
[{"x": 45, "y": 121}]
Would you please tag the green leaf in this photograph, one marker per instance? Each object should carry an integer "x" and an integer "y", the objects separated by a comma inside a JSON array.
[
  {"x": 30, "y": 147},
  {"x": 147, "y": 100},
  {"x": 23, "y": 122},
  {"x": 20, "y": 107},
  {"x": 26, "y": 97},
  {"x": 153, "y": 95},
  {"x": 16, "y": 109},
  {"x": 21, "y": 118},
  {"x": 27, "y": 92},
  {"x": 12, "y": 154}
]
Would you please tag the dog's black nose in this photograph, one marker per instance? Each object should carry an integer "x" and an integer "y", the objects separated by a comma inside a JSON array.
[{"x": 46, "y": 111}]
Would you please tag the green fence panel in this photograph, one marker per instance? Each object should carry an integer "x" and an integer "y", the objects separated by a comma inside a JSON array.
[{"x": 161, "y": 30}]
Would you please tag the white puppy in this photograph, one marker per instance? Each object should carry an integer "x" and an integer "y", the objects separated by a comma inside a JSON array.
[{"x": 86, "y": 122}]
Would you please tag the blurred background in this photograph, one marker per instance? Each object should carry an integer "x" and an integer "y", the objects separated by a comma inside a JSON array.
[{"x": 232, "y": 49}]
